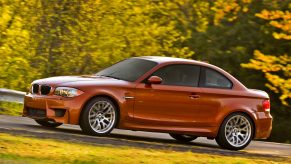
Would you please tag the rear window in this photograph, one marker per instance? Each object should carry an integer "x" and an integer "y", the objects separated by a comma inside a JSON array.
[{"x": 213, "y": 79}]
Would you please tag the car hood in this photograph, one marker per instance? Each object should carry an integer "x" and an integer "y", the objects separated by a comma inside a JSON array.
[{"x": 78, "y": 81}]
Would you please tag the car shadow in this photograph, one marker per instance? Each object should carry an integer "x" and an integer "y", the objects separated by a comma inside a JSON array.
[
  {"x": 76, "y": 135},
  {"x": 123, "y": 136}
]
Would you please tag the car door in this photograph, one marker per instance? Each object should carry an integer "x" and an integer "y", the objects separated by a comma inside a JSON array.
[{"x": 174, "y": 102}]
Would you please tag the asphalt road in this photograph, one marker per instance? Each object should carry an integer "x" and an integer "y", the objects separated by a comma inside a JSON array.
[{"x": 71, "y": 133}]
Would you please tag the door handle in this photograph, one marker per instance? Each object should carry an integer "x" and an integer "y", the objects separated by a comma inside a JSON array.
[{"x": 194, "y": 96}]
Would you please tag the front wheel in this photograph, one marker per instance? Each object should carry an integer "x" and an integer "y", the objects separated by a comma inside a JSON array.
[
  {"x": 236, "y": 132},
  {"x": 48, "y": 123},
  {"x": 183, "y": 137},
  {"x": 99, "y": 116}
]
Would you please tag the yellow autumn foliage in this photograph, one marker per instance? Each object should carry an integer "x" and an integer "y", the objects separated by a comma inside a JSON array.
[
  {"x": 271, "y": 66},
  {"x": 228, "y": 9},
  {"x": 277, "y": 69},
  {"x": 280, "y": 20}
]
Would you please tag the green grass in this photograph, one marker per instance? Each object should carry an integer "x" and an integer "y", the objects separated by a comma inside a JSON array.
[
  {"x": 10, "y": 108},
  {"x": 18, "y": 149}
]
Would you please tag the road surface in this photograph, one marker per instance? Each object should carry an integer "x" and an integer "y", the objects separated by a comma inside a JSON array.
[{"x": 71, "y": 133}]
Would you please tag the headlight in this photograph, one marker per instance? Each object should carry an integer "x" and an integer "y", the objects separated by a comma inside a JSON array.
[{"x": 67, "y": 92}]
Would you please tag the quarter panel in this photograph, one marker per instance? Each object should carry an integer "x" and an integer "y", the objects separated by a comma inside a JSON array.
[{"x": 225, "y": 102}]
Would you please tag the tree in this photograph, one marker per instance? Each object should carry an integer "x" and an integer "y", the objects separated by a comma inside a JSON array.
[
  {"x": 15, "y": 50},
  {"x": 276, "y": 68}
]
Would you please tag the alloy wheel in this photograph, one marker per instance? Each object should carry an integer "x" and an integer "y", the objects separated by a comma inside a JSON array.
[
  {"x": 238, "y": 130},
  {"x": 102, "y": 116}
]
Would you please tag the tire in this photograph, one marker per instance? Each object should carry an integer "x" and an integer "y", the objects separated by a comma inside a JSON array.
[
  {"x": 182, "y": 137},
  {"x": 236, "y": 132},
  {"x": 99, "y": 117},
  {"x": 48, "y": 123}
]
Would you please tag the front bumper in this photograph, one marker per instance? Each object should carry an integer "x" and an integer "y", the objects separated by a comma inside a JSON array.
[
  {"x": 51, "y": 107},
  {"x": 263, "y": 125}
]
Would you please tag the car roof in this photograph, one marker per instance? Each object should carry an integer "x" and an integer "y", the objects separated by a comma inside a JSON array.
[{"x": 163, "y": 59}]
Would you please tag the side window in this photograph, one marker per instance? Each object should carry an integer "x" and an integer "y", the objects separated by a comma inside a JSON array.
[
  {"x": 181, "y": 75},
  {"x": 213, "y": 79}
]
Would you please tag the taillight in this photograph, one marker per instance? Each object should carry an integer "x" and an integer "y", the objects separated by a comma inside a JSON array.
[{"x": 266, "y": 105}]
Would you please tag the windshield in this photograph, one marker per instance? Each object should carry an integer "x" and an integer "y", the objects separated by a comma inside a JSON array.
[{"x": 128, "y": 70}]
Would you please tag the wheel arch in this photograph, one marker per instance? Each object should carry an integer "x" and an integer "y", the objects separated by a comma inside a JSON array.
[
  {"x": 247, "y": 113},
  {"x": 110, "y": 97}
]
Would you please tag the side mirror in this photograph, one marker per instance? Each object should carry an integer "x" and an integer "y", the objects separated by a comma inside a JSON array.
[{"x": 154, "y": 80}]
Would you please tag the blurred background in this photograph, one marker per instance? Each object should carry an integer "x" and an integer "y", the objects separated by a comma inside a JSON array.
[{"x": 248, "y": 38}]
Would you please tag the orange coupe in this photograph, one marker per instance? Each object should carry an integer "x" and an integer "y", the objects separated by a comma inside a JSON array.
[{"x": 185, "y": 98}]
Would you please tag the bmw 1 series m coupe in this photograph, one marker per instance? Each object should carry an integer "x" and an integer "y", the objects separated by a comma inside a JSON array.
[{"x": 185, "y": 98}]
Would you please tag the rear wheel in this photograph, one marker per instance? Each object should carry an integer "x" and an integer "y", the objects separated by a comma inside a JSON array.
[
  {"x": 48, "y": 123},
  {"x": 99, "y": 116},
  {"x": 236, "y": 132},
  {"x": 183, "y": 137}
]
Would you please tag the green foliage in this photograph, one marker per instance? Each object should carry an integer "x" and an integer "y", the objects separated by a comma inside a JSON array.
[
  {"x": 16, "y": 69},
  {"x": 10, "y": 108},
  {"x": 49, "y": 38},
  {"x": 281, "y": 125}
]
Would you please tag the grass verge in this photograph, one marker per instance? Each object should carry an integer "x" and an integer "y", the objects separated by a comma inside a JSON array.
[
  {"x": 11, "y": 108},
  {"x": 19, "y": 149}
]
